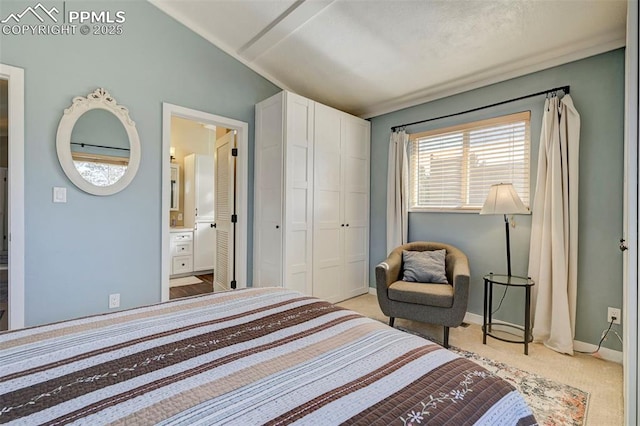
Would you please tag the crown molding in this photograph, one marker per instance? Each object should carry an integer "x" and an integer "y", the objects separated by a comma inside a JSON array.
[{"x": 560, "y": 56}]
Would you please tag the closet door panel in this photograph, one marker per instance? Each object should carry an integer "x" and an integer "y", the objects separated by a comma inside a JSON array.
[
  {"x": 328, "y": 235},
  {"x": 271, "y": 258},
  {"x": 327, "y": 282},
  {"x": 355, "y": 148},
  {"x": 355, "y": 277},
  {"x": 298, "y": 197},
  {"x": 268, "y": 193}
]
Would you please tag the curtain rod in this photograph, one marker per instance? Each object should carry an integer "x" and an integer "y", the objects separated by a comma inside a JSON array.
[
  {"x": 82, "y": 144},
  {"x": 565, "y": 89}
]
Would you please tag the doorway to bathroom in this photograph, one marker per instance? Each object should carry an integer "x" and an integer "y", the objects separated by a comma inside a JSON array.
[{"x": 204, "y": 202}]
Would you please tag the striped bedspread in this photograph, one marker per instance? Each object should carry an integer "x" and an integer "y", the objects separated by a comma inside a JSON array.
[{"x": 246, "y": 357}]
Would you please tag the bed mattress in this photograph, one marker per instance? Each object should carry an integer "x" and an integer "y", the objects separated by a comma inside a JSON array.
[{"x": 245, "y": 357}]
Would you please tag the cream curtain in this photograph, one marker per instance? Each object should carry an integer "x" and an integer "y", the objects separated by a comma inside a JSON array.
[
  {"x": 397, "y": 191},
  {"x": 553, "y": 254}
]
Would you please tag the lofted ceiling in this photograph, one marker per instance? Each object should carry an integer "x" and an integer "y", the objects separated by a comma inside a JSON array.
[{"x": 369, "y": 57}]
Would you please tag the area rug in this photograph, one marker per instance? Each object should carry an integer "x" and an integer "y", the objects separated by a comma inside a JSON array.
[
  {"x": 553, "y": 403},
  {"x": 177, "y": 282}
]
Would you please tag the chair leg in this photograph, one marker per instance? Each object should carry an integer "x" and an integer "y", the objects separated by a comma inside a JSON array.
[
  {"x": 446, "y": 337},
  {"x": 391, "y": 320}
]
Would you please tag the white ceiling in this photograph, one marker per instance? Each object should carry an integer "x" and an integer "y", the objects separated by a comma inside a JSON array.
[{"x": 369, "y": 57}]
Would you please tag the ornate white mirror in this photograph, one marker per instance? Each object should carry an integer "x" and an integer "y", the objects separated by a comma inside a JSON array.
[{"x": 98, "y": 144}]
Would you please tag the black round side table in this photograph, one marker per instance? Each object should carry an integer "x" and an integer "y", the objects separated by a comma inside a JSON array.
[{"x": 509, "y": 281}]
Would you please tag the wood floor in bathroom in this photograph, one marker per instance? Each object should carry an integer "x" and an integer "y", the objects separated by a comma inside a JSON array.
[{"x": 206, "y": 286}]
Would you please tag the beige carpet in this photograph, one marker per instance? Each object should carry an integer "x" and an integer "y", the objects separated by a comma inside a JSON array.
[{"x": 602, "y": 379}]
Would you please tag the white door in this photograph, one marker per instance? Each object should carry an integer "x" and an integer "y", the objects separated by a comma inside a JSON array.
[
  {"x": 225, "y": 179},
  {"x": 268, "y": 193},
  {"x": 298, "y": 184},
  {"x": 328, "y": 201},
  {"x": 355, "y": 154}
]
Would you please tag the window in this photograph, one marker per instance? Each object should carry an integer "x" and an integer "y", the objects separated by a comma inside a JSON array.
[
  {"x": 452, "y": 169},
  {"x": 101, "y": 170}
]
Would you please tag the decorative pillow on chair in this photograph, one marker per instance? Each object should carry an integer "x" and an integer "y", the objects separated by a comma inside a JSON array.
[{"x": 424, "y": 266}]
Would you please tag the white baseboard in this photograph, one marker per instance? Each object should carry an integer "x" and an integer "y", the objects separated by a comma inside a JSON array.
[
  {"x": 372, "y": 290},
  {"x": 473, "y": 318},
  {"x": 606, "y": 354}
]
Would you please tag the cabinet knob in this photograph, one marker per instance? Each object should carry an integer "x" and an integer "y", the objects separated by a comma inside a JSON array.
[
  {"x": 213, "y": 225},
  {"x": 347, "y": 224},
  {"x": 342, "y": 225},
  {"x": 277, "y": 226}
]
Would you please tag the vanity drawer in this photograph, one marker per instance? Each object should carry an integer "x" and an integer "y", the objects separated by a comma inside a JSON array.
[
  {"x": 181, "y": 248},
  {"x": 182, "y": 236},
  {"x": 182, "y": 264}
]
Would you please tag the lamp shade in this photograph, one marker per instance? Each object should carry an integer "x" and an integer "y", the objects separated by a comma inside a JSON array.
[{"x": 503, "y": 199}]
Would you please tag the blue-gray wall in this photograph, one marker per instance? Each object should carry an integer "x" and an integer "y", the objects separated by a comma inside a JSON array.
[
  {"x": 597, "y": 89},
  {"x": 79, "y": 252}
]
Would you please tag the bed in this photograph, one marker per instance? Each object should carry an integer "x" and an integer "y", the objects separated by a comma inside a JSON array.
[{"x": 246, "y": 357}]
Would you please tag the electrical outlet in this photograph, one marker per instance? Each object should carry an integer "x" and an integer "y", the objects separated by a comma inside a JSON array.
[
  {"x": 114, "y": 300},
  {"x": 613, "y": 312}
]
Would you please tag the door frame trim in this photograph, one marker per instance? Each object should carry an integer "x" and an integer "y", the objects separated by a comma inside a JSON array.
[
  {"x": 242, "y": 188},
  {"x": 630, "y": 297},
  {"x": 15, "y": 185}
]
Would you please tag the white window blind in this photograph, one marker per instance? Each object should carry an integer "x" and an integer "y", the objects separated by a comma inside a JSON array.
[{"x": 453, "y": 168}]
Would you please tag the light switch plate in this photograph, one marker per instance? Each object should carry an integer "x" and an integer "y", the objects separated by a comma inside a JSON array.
[{"x": 59, "y": 194}]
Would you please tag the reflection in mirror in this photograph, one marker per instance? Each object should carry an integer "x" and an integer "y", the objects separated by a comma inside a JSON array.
[{"x": 100, "y": 147}]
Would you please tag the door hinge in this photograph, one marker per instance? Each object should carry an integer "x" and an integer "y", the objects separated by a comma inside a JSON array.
[
  {"x": 233, "y": 284},
  {"x": 623, "y": 245},
  {"x": 234, "y": 218},
  {"x": 234, "y": 152}
]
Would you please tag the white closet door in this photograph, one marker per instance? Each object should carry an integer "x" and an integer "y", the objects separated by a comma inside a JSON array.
[
  {"x": 204, "y": 188},
  {"x": 329, "y": 224},
  {"x": 268, "y": 193},
  {"x": 225, "y": 195},
  {"x": 298, "y": 198},
  {"x": 355, "y": 152}
]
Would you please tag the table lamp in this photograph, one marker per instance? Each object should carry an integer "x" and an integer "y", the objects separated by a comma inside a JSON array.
[{"x": 503, "y": 199}]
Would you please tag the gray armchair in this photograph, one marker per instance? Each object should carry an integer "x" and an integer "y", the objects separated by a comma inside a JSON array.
[{"x": 443, "y": 304}]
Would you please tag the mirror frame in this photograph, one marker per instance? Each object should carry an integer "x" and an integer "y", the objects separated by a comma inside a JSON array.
[{"x": 99, "y": 99}]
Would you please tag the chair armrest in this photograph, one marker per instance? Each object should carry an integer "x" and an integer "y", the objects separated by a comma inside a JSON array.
[
  {"x": 387, "y": 273},
  {"x": 460, "y": 283}
]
